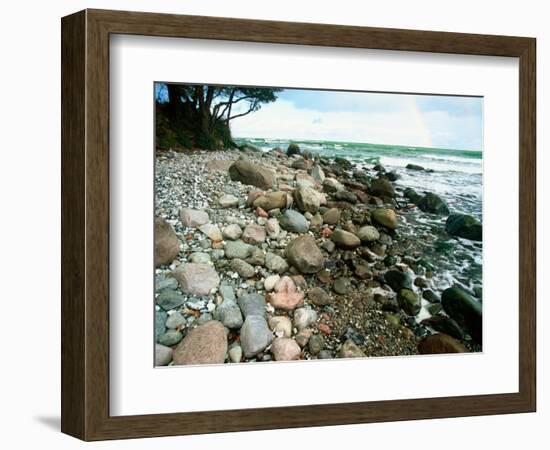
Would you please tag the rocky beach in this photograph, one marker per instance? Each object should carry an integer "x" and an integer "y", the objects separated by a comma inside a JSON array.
[{"x": 287, "y": 254}]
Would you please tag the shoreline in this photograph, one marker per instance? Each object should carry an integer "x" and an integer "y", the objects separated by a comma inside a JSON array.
[{"x": 348, "y": 306}]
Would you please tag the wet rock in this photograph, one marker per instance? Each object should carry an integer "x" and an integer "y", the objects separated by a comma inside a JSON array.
[
  {"x": 465, "y": 309},
  {"x": 430, "y": 296},
  {"x": 271, "y": 200},
  {"x": 414, "y": 167},
  {"x": 409, "y": 302},
  {"x": 318, "y": 296},
  {"x": 167, "y": 244},
  {"x": 303, "y": 253},
  {"x": 345, "y": 239},
  {"x": 398, "y": 280},
  {"x": 255, "y": 335},
  {"x": 244, "y": 269},
  {"x": 343, "y": 163},
  {"x": 293, "y": 149},
  {"x": 281, "y": 326},
  {"x": 250, "y": 173},
  {"x": 252, "y": 305},
  {"x": 254, "y": 234},
  {"x": 206, "y": 344},
  {"x": 368, "y": 234},
  {"x": 238, "y": 249},
  {"x": 350, "y": 350},
  {"x": 163, "y": 355},
  {"x": 385, "y": 217},
  {"x": 412, "y": 195},
  {"x": 445, "y": 325},
  {"x": 433, "y": 203},
  {"x": 293, "y": 221},
  {"x": 197, "y": 279},
  {"x": 440, "y": 343},
  {"x": 275, "y": 263},
  {"x": 382, "y": 187},
  {"x": 285, "y": 296},
  {"x": 464, "y": 226},
  {"x": 192, "y": 218}
]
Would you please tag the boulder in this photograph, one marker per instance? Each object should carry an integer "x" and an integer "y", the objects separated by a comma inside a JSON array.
[
  {"x": 343, "y": 163},
  {"x": 433, "y": 203},
  {"x": 464, "y": 226},
  {"x": 303, "y": 253},
  {"x": 167, "y": 244},
  {"x": 271, "y": 200},
  {"x": 409, "y": 302},
  {"x": 398, "y": 280},
  {"x": 285, "y": 295},
  {"x": 293, "y": 221},
  {"x": 332, "y": 185},
  {"x": 206, "y": 344},
  {"x": 385, "y": 217},
  {"x": 440, "y": 343},
  {"x": 193, "y": 218},
  {"x": 307, "y": 199},
  {"x": 412, "y": 195},
  {"x": 255, "y": 335},
  {"x": 293, "y": 149},
  {"x": 368, "y": 233},
  {"x": 250, "y": 173},
  {"x": 444, "y": 324},
  {"x": 345, "y": 239},
  {"x": 382, "y": 187},
  {"x": 197, "y": 279},
  {"x": 414, "y": 167},
  {"x": 285, "y": 349},
  {"x": 465, "y": 309}
]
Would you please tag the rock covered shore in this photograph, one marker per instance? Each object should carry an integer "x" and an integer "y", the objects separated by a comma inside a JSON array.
[{"x": 285, "y": 256}]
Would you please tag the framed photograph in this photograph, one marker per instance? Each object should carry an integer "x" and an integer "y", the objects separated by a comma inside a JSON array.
[{"x": 272, "y": 225}]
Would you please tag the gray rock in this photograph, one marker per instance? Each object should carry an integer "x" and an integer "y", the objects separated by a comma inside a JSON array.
[
  {"x": 228, "y": 201},
  {"x": 165, "y": 283},
  {"x": 293, "y": 221},
  {"x": 341, "y": 285},
  {"x": 238, "y": 249},
  {"x": 368, "y": 233},
  {"x": 316, "y": 343},
  {"x": 275, "y": 263},
  {"x": 331, "y": 216},
  {"x": 244, "y": 269},
  {"x": 303, "y": 317},
  {"x": 433, "y": 203},
  {"x": 232, "y": 232},
  {"x": 163, "y": 355},
  {"x": 325, "y": 354},
  {"x": 255, "y": 335},
  {"x": 227, "y": 292},
  {"x": 171, "y": 337},
  {"x": 160, "y": 320},
  {"x": 200, "y": 258},
  {"x": 317, "y": 173},
  {"x": 464, "y": 226},
  {"x": 307, "y": 199},
  {"x": 229, "y": 314},
  {"x": 464, "y": 309},
  {"x": 203, "y": 318},
  {"x": 235, "y": 353},
  {"x": 169, "y": 299},
  {"x": 345, "y": 239},
  {"x": 398, "y": 280},
  {"x": 318, "y": 296},
  {"x": 192, "y": 218},
  {"x": 175, "y": 320},
  {"x": 252, "y": 305}
]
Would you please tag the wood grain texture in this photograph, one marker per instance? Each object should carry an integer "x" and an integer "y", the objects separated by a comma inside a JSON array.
[{"x": 85, "y": 224}]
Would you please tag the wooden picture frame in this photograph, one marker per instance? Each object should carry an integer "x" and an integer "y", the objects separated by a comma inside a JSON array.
[{"x": 85, "y": 224}]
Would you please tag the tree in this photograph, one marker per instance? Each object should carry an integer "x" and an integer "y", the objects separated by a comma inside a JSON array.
[{"x": 200, "y": 115}]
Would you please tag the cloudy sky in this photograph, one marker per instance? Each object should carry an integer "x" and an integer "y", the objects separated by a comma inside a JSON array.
[{"x": 401, "y": 119}]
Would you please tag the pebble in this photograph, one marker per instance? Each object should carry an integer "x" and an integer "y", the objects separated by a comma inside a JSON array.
[
  {"x": 175, "y": 320},
  {"x": 255, "y": 335},
  {"x": 285, "y": 349},
  {"x": 171, "y": 337},
  {"x": 303, "y": 317},
  {"x": 270, "y": 282},
  {"x": 163, "y": 355}
]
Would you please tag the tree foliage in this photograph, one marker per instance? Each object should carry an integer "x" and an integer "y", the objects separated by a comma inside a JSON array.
[{"x": 201, "y": 114}]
